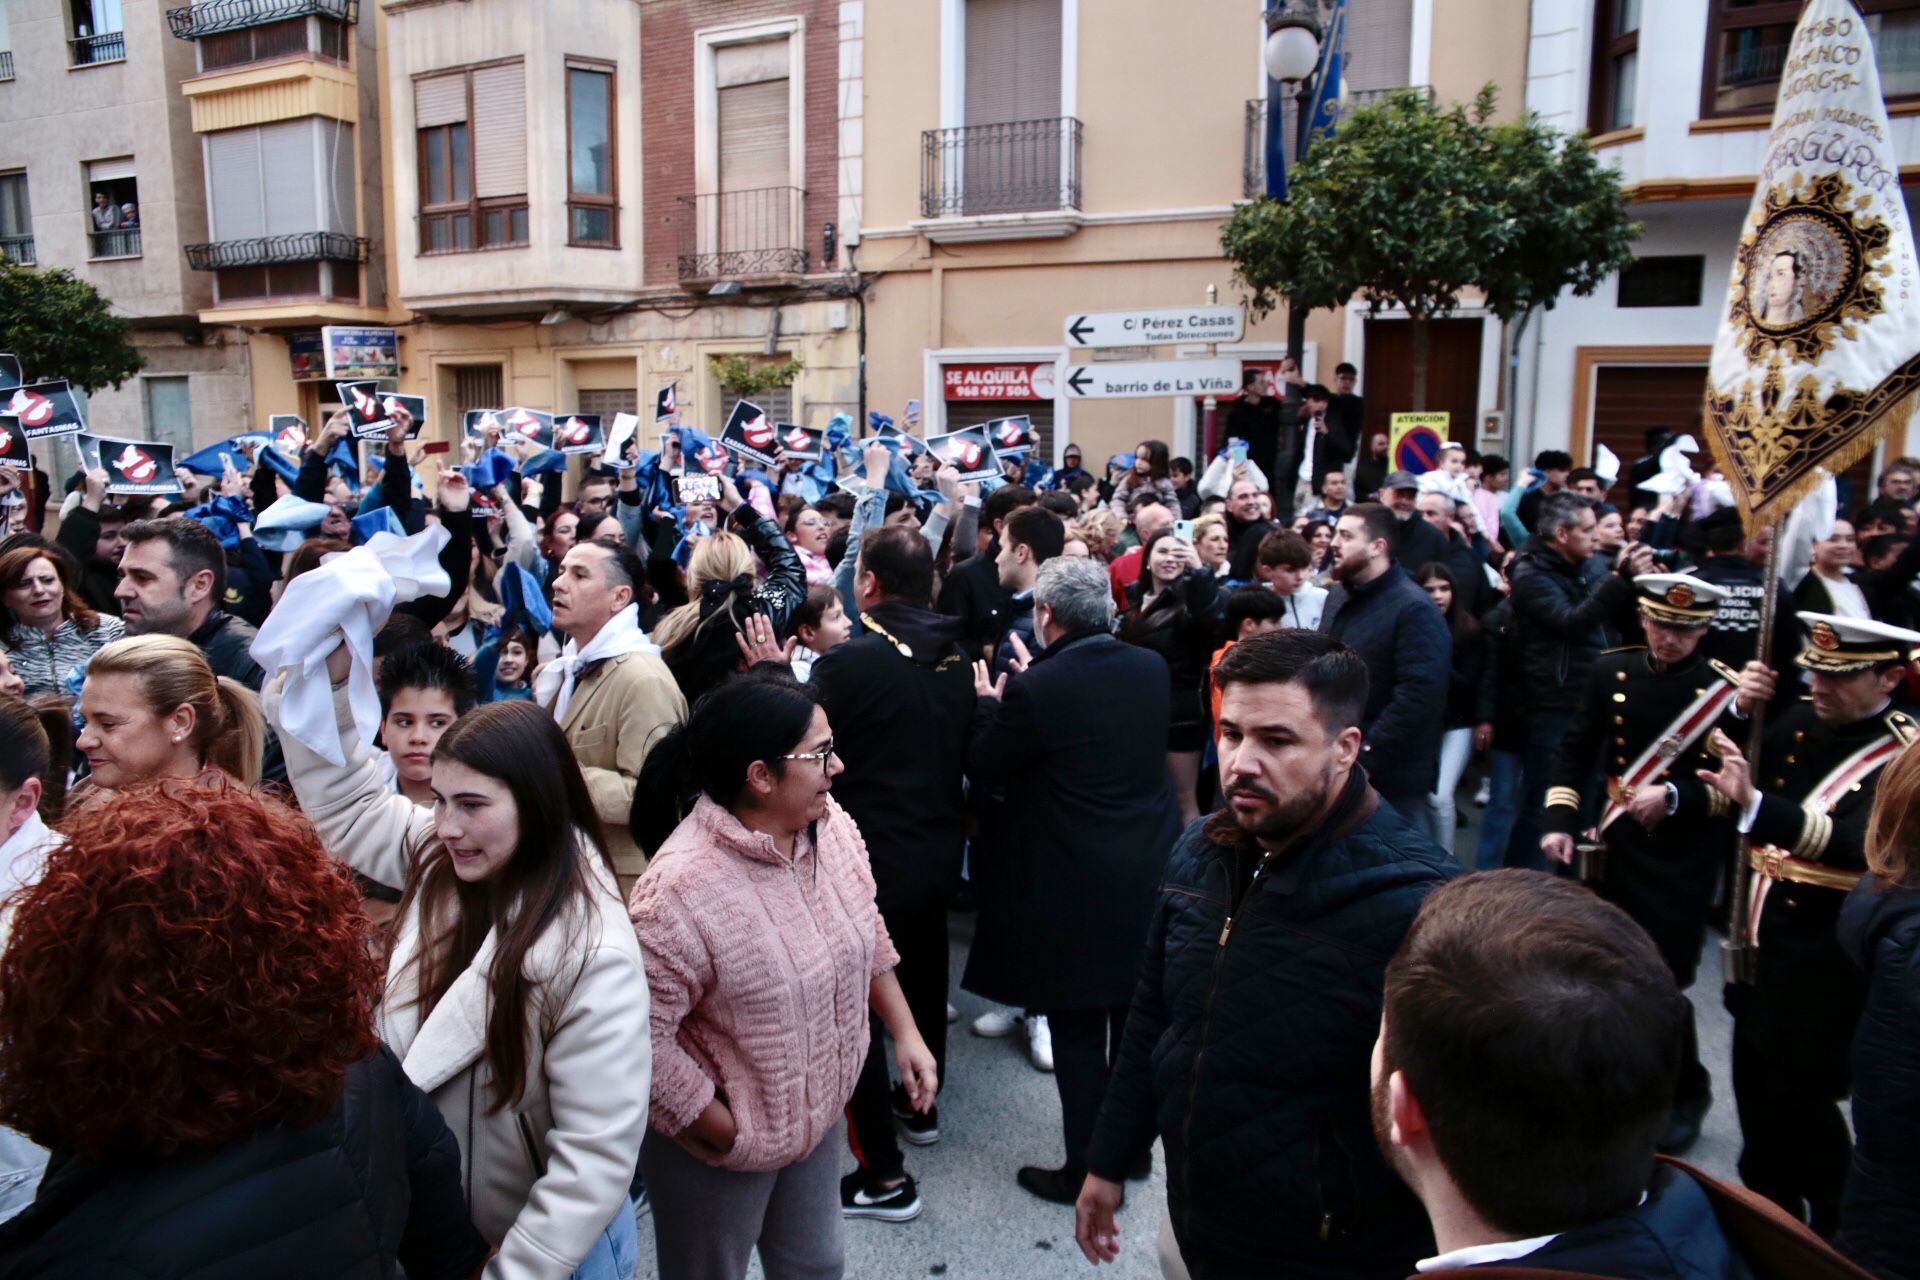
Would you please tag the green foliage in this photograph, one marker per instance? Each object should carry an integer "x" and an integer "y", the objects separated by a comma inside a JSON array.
[
  {"x": 60, "y": 327},
  {"x": 746, "y": 377},
  {"x": 1408, "y": 204}
]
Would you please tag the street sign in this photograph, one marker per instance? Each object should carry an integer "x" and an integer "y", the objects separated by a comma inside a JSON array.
[
  {"x": 1152, "y": 378},
  {"x": 1414, "y": 444},
  {"x": 1157, "y": 326}
]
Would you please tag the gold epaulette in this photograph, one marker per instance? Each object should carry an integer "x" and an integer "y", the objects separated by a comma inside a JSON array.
[
  {"x": 1902, "y": 727},
  {"x": 1724, "y": 671}
]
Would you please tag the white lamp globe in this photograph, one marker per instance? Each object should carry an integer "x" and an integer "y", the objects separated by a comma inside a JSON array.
[{"x": 1291, "y": 54}]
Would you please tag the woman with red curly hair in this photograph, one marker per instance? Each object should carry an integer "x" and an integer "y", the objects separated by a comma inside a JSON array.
[{"x": 186, "y": 1021}]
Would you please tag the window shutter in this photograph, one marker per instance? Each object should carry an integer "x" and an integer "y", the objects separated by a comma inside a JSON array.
[
  {"x": 500, "y": 131},
  {"x": 751, "y": 63},
  {"x": 440, "y": 100},
  {"x": 15, "y": 217},
  {"x": 477, "y": 386},
  {"x": 233, "y": 185},
  {"x": 287, "y": 172},
  {"x": 1013, "y": 60},
  {"x": 1379, "y": 45},
  {"x": 338, "y": 209},
  {"x": 110, "y": 170},
  {"x": 754, "y": 138}
]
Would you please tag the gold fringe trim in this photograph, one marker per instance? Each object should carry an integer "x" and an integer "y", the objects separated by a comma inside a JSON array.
[{"x": 1778, "y": 504}]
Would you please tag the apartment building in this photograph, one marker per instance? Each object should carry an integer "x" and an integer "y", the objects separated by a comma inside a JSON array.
[
  {"x": 1679, "y": 96},
  {"x": 101, "y": 173},
  {"x": 1023, "y": 160},
  {"x": 285, "y": 105},
  {"x": 596, "y": 198}
]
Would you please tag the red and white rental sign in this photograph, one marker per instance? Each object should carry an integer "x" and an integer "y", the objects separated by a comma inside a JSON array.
[{"x": 1021, "y": 381}]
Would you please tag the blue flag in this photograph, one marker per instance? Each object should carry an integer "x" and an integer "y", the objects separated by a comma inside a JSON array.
[{"x": 1323, "y": 113}]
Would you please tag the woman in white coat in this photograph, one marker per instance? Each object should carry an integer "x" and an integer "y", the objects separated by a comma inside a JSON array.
[{"x": 515, "y": 994}]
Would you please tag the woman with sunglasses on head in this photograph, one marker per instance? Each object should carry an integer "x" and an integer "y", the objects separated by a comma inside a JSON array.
[
  {"x": 764, "y": 951},
  {"x": 514, "y": 993}
]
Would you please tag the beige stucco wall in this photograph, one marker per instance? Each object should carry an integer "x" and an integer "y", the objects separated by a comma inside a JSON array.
[
  {"x": 1477, "y": 41},
  {"x": 447, "y": 36}
]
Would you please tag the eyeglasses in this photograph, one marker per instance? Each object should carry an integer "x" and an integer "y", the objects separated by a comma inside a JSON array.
[{"x": 821, "y": 755}]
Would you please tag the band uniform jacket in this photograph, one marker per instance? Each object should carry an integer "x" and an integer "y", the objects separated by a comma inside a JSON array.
[
  {"x": 1808, "y": 996},
  {"x": 1663, "y": 878}
]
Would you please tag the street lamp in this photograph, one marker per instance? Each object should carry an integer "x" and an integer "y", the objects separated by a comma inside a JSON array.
[
  {"x": 1293, "y": 44},
  {"x": 1291, "y": 57}
]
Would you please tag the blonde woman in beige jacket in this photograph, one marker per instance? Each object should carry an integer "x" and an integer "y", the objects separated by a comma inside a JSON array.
[{"x": 515, "y": 992}]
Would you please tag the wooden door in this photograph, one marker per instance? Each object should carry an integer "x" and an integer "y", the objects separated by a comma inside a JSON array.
[{"x": 1453, "y": 374}]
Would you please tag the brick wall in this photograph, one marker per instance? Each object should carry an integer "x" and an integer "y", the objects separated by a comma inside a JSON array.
[{"x": 667, "y": 30}]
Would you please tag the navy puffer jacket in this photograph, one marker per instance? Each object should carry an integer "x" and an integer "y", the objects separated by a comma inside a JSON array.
[{"x": 1248, "y": 1049}]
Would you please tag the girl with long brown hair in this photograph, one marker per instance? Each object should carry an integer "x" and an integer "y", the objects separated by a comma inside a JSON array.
[{"x": 515, "y": 995}]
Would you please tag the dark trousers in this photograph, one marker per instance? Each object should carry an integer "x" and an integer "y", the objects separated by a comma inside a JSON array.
[
  {"x": 1085, "y": 1044},
  {"x": 919, "y": 934},
  {"x": 1795, "y": 1147},
  {"x": 1544, "y": 731}
]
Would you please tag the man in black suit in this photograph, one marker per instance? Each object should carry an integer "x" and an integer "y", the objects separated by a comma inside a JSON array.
[
  {"x": 900, "y": 698},
  {"x": 972, "y": 592},
  {"x": 1075, "y": 747}
]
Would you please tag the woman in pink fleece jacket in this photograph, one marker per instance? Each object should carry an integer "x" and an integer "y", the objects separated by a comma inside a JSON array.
[{"x": 764, "y": 952}]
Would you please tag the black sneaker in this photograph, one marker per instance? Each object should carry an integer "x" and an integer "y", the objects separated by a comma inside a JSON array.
[
  {"x": 896, "y": 1204},
  {"x": 920, "y": 1130}
]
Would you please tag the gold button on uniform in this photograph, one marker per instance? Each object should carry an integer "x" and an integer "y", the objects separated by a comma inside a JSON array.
[{"x": 1619, "y": 697}]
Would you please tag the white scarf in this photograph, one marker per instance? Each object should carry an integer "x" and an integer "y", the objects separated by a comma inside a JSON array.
[{"x": 621, "y": 635}]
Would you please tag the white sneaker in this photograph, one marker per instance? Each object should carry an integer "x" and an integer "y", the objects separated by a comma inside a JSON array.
[
  {"x": 1039, "y": 1042},
  {"x": 996, "y": 1024},
  {"x": 1484, "y": 796},
  {"x": 953, "y": 1015}
]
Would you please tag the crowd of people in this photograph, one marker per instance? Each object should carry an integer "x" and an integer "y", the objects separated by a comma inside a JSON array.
[{"x": 545, "y": 850}]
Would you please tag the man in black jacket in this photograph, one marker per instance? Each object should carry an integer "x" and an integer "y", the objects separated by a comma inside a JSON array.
[
  {"x": 900, "y": 699},
  {"x": 972, "y": 591},
  {"x": 1247, "y": 1046},
  {"x": 1415, "y": 541},
  {"x": 1085, "y": 817},
  {"x": 1559, "y": 626},
  {"x": 1375, "y": 609},
  {"x": 1245, "y": 528}
]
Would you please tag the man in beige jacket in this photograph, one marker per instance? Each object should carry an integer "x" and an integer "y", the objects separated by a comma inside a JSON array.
[{"x": 611, "y": 693}]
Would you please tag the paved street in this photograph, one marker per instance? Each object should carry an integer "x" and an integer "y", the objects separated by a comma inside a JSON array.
[{"x": 997, "y": 1113}]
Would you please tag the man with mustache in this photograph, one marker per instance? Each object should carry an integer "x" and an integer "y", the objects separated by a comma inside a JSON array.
[{"x": 1247, "y": 1044}]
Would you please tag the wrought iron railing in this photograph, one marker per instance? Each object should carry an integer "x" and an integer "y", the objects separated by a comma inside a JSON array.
[
  {"x": 6, "y": 64},
  {"x": 733, "y": 234},
  {"x": 108, "y": 46},
  {"x": 263, "y": 251},
  {"x": 123, "y": 243},
  {"x": 1253, "y": 159},
  {"x": 1023, "y": 166},
  {"x": 17, "y": 250},
  {"x": 210, "y": 17}
]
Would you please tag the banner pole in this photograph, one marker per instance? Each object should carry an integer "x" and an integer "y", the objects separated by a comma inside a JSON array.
[{"x": 1740, "y": 956}]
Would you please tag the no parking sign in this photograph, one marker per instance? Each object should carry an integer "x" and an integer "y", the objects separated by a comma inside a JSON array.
[{"x": 1415, "y": 440}]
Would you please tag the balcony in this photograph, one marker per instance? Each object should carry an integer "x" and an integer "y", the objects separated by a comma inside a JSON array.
[
  {"x": 987, "y": 171},
  {"x": 88, "y": 51},
  {"x": 6, "y": 64},
  {"x": 265, "y": 251},
  {"x": 124, "y": 243},
  {"x": 18, "y": 250},
  {"x": 211, "y": 17},
  {"x": 754, "y": 237},
  {"x": 1253, "y": 163}
]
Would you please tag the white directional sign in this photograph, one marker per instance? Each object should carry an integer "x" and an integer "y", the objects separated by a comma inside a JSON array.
[
  {"x": 1159, "y": 325},
  {"x": 1152, "y": 378}
]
